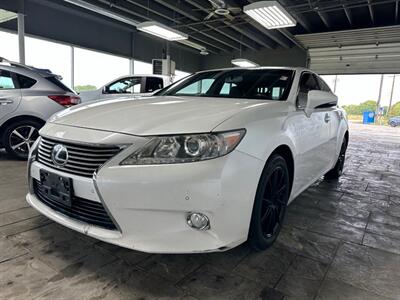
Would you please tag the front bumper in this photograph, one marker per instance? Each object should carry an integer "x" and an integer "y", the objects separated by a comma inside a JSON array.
[{"x": 149, "y": 204}]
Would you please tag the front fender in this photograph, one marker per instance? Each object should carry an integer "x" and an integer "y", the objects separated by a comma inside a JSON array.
[{"x": 343, "y": 128}]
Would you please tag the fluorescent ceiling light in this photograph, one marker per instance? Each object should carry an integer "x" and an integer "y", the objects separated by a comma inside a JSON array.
[
  {"x": 244, "y": 63},
  {"x": 6, "y": 15},
  {"x": 162, "y": 31},
  {"x": 270, "y": 14}
]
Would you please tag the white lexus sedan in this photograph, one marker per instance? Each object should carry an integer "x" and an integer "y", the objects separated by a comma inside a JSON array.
[{"x": 204, "y": 165}]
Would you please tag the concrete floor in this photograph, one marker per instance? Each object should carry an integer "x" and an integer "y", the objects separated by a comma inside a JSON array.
[{"x": 341, "y": 240}]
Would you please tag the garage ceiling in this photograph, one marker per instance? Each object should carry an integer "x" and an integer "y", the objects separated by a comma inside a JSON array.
[{"x": 224, "y": 34}]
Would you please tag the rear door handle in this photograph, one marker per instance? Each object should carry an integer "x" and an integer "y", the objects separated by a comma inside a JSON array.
[
  {"x": 5, "y": 101},
  {"x": 327, "y": 118}
]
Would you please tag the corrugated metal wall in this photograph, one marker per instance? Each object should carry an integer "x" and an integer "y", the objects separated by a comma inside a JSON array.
[{"x": 374, "y": 50}]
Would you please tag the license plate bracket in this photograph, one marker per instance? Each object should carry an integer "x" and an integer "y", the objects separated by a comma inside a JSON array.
[{"x": 57, "y": 188}]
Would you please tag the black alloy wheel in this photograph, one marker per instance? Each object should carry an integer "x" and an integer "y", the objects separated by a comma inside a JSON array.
[{"x": 270, "y": 204}]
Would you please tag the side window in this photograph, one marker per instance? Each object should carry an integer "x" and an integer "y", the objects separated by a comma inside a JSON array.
[
  {"x": 125, "y": 86},
  {"x": 153, "y": 84},
  {"x": 25, "y": 82},
  {"x": 227, "y": 88},
  {"x": 323, "y": 85},
  {"x": 308, "y": 82},
  {"x": 198, "y": 87},
  {"x": 6, "y": 81}
]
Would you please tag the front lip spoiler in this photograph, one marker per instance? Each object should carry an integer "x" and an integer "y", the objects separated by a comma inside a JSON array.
[{"x": 85, "y": 228}]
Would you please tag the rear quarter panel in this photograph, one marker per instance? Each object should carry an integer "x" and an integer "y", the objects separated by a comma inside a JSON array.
[{"x": 35, "y": 104}]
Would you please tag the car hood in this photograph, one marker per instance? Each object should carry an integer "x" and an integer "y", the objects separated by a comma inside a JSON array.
[{"x": 155, "y": 115}]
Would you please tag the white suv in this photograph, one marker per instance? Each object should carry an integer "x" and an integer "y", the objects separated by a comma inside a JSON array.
[
  {"x": 28, "y": 97},
  {"x": 132, "y": 86}
]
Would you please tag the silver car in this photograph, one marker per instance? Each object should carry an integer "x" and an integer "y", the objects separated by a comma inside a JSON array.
[{"x": 28, "y": 97}]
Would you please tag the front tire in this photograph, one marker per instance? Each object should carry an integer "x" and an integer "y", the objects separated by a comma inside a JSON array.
[
  {"x": 270, "y": 204},
  {"x": 337, "y": 170},
  {"x": 19, "y": 137},
  {"x": 393, "y": 124}
]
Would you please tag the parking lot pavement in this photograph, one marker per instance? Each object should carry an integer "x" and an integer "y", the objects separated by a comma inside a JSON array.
[{"x": 341, "y": 240}]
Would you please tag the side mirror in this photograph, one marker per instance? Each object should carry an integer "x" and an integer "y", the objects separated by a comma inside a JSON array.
[
  {"x": 319, "y": 99},
  {"x": 104, "y": 90}
]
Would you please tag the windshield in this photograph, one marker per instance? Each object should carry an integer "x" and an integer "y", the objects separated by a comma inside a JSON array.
[{"x": 265, "y": 84}]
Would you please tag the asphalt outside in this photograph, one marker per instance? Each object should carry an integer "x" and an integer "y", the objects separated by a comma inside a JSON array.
[{"x": 341, "y": 240}]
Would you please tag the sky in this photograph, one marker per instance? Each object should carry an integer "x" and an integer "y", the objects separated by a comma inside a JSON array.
[
  {"x": 91, "y": 67},
  {"x": 97, "y": 69},
  {"x": 354, "y": 89}
]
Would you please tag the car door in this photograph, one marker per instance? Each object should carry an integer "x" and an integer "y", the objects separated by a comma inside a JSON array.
[
  {"x": 335, "y": 117},
  {"x": 10, "y": 94},
  {"x": 127, "y": 86},
  {"x": 311, "y": 136}
]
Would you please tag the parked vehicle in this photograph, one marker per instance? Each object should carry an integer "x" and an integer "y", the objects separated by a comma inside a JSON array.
[
  {"x": 394, "y": 121},
  {"x": 136, "y": 86},
  {"x": 204, "y": 165},
  {"x": 28, "y": 97}
]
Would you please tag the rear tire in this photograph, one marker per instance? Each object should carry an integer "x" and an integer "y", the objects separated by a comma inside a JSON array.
[
  {"x": 270, "y": 204},
  {"x": 393, "y": 124},
  {"x": 19, "y": 137},
  {"x": 337, "y": 170}
]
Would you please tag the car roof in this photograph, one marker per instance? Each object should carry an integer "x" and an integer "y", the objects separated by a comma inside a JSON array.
[
  {"x": 261, "y": 68},
  {"x": 142, "y": 75},
  {"x": 22, "y": 69}
]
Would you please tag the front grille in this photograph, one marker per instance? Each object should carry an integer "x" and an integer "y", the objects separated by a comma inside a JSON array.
[
  {"x": 88, "y": 211},
  {"x": 83, "y": 160}
]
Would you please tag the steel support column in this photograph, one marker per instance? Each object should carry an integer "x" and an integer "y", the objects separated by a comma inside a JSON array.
[{"x": 21, "y": 37}]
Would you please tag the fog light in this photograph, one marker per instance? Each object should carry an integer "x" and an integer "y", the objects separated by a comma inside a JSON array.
[{"x": 198, "y": 221}]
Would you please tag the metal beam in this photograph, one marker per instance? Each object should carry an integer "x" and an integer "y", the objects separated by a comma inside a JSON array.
[
  {"x": 215, "y": 44},
  {"x": 371, "y": 12},
  {"x": 324, "y": 18},
  {"x": 272, "y": 34},
  {"x": 227, "y": 31},
  {"x": 292, "y": 38},
  {"x": 248, "y": 37},
  {"x": 197, "y": 17},
  {"x": 335, "y": 5},
  {"x": 244, "y": 41},
  {"x": 125, "y": 17},
  {"x": 72, "y": 63},
  {"x": 348, "y": 15}
]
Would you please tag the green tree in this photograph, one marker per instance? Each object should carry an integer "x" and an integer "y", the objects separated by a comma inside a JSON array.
[
  {"x": 81, "y": 88},
  {"x": 353, "y": 109},
  {"x": 395, "y": 110}
]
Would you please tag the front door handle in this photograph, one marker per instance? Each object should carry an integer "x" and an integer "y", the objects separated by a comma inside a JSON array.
[
  {"x": 327, "y": 118},
  {"x": 5, "y": 101}
]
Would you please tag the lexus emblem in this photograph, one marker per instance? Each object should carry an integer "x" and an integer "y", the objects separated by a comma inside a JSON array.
[{"x": 59, "y": 155}]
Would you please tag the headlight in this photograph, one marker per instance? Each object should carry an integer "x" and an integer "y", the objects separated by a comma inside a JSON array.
[{"x": 185, "y": 148}]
